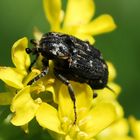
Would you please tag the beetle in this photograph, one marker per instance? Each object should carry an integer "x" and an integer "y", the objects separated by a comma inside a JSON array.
[{"x": 73, "y": 59}]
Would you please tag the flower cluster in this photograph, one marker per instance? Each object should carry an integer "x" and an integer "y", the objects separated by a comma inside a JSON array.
[
  {"x": 48, "y": 100},
  {"x": 78, "y": 19},
  {"x": 55, "y": 112}
]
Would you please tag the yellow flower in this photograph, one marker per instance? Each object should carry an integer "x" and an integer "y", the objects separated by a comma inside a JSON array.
[
  {"x": 90, "y": 120},
  {"x": 135, "y": 127},
  {"x": 16, "y": 78},
  {"x": 27, "y": 102},
  {"x": 77, "y": 20},
  {"x": 13, "y": 76},
  {"x": 23, "y": 107},
  {"x": 117, "y": 131}
]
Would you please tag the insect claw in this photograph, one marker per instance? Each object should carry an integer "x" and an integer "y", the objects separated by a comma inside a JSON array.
[
  {"x": 109, "y": 88},
  {"x": 95, "y": 95}
]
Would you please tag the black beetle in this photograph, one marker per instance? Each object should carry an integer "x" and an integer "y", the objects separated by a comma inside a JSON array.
[{"x": 73, "y": 59}]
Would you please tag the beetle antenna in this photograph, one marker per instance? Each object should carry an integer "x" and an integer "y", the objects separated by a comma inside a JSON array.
[{"x": 34, "y": 42}]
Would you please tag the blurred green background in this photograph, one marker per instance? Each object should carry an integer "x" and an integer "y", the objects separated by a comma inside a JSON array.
[{"x": 122, "y": 47}]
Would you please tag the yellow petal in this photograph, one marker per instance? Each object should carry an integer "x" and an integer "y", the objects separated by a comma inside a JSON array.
[
  {"x": 123, "y": 138},
  {"x": 135, "y": 127},
  {"x": 85, "y": 37},
  {"x": 19, "y": 56},
  {"x": 115, "y": 87},
  {"x": 6, "y": 98},
  {"x": 119, "y": 109},
  {"x": 113, "y": 130},
  {"x": 83, "y": 94},
  {"x": 37, "y": 33},
  {"x": 51, "y": 83},
  {"x": 65, "y": 103},
  {"x": 73, "y": 30},
  {"x": 54, "y": 88},
  {"x": 31, "y": 75},
  {"x": 108, "y": 93},
  {"x": 47, "y": 117},
  {"x": 11, "y": 77},
  {"x": 107, "y": 98},
  {"x": 112, "y": 71},
  {"x": 68, "y": 137},
  {"x": 79, "y": 12},
  {"x": 24, "y": 107},
  {"x": 53, "y": 12},
  {"x": 100, "y": 117},
  {"x": 102, "y": 24}
]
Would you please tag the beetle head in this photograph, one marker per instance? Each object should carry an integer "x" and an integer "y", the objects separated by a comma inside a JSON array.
[
  {"x": 55, "y": 44},
  {"x": 35, "y": 49}
]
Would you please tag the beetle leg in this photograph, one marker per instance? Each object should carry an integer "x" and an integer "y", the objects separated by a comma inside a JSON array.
[
  {"x": 43, "y": 73},
  {"x": 45, "y": 62},
  {"x": 71, "y": 91}
]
